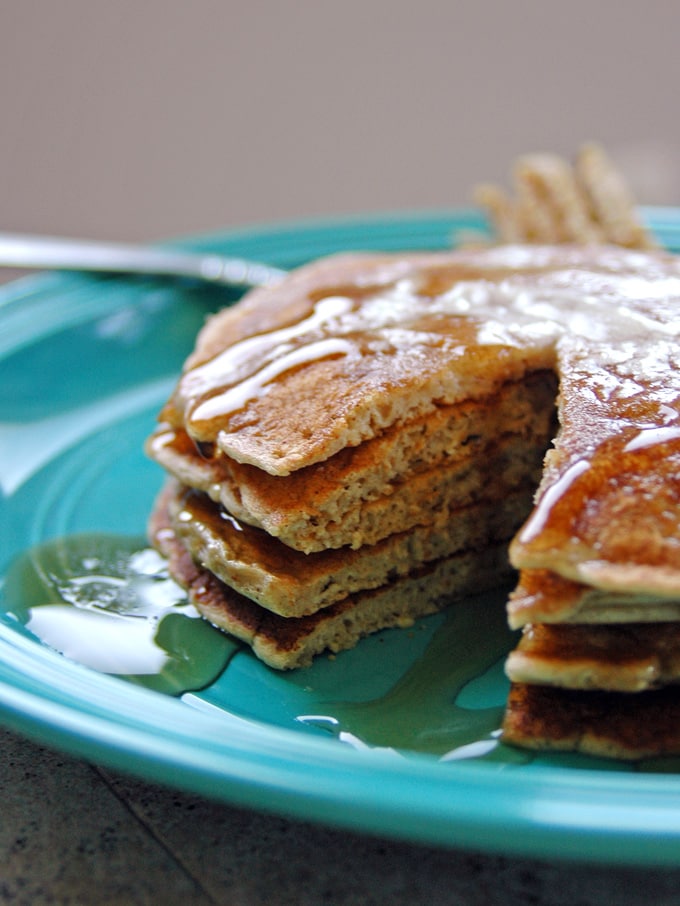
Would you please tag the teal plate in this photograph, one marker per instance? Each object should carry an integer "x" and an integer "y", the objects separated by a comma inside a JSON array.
[{"x": 397, "y": 737}]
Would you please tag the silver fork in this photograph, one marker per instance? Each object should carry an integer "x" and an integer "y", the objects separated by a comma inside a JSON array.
[{"x": 57, "y": 253}]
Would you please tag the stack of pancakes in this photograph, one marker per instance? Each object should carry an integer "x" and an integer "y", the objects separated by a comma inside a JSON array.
[
  {"x": 354, "y": 448},
  {"x": 334, "y": 471},
  {"x": 598, "y": 597},
  {"x": 599, "y": 601}
]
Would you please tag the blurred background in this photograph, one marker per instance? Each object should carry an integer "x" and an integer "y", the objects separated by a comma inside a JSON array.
[{"x": 141, "y": 119}]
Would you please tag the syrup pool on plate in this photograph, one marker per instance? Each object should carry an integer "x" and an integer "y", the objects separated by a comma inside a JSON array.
[
  {"x": 106, "y": 601},
  {"x": 449, "y": 702}
]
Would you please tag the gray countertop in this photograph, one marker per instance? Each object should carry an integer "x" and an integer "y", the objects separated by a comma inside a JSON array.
[{"x": 75, "y": 833}]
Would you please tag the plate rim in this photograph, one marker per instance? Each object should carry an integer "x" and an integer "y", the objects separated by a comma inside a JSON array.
[{"x": 587, "y": 814}]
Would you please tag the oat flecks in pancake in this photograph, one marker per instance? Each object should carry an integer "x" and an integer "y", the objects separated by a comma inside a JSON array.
[
  {"x": 354, "y": 497},
  {"x": 321, "y": 506},
  {"x": 422, "y": 498}
]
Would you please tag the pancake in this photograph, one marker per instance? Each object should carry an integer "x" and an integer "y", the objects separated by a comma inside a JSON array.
[
  {"x": 379, "y": 434},
  {"x": 541, "y": 596},
  {"x": 629, "y": 657},
  {"x": 605, "y": 724},
  {"x": 377, "y": 343},
  {"x": 617, "y": 456},
  {"x": 390, "y": 484},
  {"x": 292, "y": 642},
  {"x": 294, "y": 584},
  {"x": 430, "y": 331}
]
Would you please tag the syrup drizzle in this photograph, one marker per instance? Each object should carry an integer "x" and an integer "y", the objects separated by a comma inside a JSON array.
[
  {"x": 107, "y": 599},
  {"x": 627, "y": 485},
  {"x": 232, "y": 399},
  {"x": 225, "y": 384}
]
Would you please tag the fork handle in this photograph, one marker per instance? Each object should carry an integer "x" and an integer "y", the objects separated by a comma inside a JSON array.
[{"x": 57, "y": 253}]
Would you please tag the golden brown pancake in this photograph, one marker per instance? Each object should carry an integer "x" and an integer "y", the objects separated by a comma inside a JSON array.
[
  {"x": 422, "y": 332},
  {"x": 360, "y": 343},
  {"x": 291, "y": 642},
  {"x": 294, "y": 584}
]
